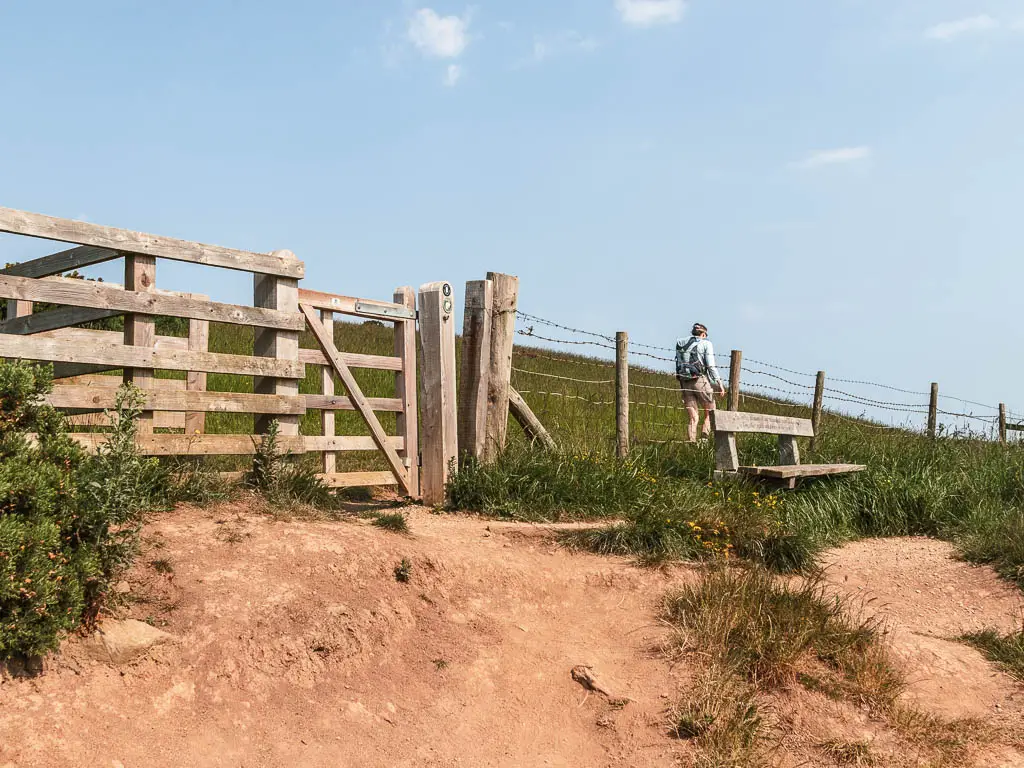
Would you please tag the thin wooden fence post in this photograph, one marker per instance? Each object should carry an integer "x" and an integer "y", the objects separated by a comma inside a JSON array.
[
  {"x": 819, "y": 396},
  {"x": 933, "y": 410},
  {"x": 503, "y": 325},
  {"x": 330, "y": 463},
  {"x": 440, "y": 417},
  {"x": 476, "y": 368},
  {"x": 735, "y": 368},
  {"x": 622, "y": 394},
  {"x": 282, "y": 294},
  {"x": 140, "y": 330},
  {"x": 195, "y": 381},
  {"x": 1002, "y": 422},
  {"x": 405, "y": 389}
]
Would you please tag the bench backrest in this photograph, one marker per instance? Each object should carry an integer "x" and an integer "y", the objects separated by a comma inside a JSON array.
[
  {"x": 728, "y": 423},
  {"x": 734, "y": 421}
]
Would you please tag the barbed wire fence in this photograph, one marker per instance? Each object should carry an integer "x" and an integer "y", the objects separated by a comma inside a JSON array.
[{"x": 575, "y": 392}]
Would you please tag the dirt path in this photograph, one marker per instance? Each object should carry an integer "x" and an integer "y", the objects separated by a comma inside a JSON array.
[{"x": 298, "y": 647}]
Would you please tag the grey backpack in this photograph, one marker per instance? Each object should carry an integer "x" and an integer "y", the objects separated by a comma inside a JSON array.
[{"x": 688, "y": 365}]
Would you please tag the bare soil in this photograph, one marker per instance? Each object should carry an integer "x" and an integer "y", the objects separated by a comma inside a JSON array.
[{"x": 297, "y": 646}]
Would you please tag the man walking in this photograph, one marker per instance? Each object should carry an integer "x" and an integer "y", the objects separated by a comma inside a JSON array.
[{"x": 698, "y": 377}]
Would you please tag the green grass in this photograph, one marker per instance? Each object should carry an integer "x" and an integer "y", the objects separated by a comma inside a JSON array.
[
  {"x": 1005, "y": 650},
  {"x": 395, "y": 522}
]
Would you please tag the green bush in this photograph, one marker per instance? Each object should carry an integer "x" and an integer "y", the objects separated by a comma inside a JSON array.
[{"x": 68, "y": 522}]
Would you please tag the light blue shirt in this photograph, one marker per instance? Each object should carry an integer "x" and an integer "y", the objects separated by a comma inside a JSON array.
[{"x": 702, "y": 351}]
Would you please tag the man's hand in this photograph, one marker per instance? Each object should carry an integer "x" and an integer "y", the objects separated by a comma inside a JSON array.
[{"x": 721, "y": 390}]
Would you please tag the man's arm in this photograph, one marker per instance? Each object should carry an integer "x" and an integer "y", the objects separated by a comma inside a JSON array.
[{"x": 709, "y": 363}]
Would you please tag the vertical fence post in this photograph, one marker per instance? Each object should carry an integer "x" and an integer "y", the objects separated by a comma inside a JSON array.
[
  {"x": 195, "y": 381},
  {"x": 140, "y": 330},
  {"x": 933, "y": 410},
  {"x": 282, "y": 294},
  {"x": 735, "y": 368},
  {"x": 476, "y": 368},
  {"x": 503, "y": 325},
  {"x": 621, "y": 394},
  {"x": 1002, "y": 422},
  {"x": 819, "y": 396},
  {"x": 407, "y": 420},
  {"x": 330, "y": 463},
  {"x": 440, "y": 417}
]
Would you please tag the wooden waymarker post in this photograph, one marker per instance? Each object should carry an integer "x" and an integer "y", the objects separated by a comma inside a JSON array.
[
  {"x": 735, "y": 369},
  {"x": 476, "y": 368},
  {"x": 622, "y": 394},
  {"x": 503, "y": 324},
  {"x": 440, "y": 418},
  {"x": 819, "y": 396},
  {"x": 933, "y": 410}
]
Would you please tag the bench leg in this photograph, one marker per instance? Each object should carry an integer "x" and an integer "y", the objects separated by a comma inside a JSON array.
[
  {"x": 789, "y": 451},
  {"x": 726, "y": 457}
]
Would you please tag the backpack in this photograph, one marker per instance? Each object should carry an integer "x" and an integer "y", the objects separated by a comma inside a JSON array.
[{"x": 688, "y": 365}]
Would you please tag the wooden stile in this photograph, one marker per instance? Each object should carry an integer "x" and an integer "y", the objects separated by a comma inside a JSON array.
[
  {"x": 440, "y": 417},
  {"x": 503, "y": 323},
  {"x": 475, "y": 368}
]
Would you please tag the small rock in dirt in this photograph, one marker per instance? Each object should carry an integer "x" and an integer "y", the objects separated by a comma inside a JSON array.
[
  {"x": 122, "y": 587},
  {"x": 121, "y": 641}
]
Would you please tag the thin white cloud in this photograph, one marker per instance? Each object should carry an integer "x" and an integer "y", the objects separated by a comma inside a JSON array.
[
  {"x": 824, "y": 157},
  {"x": 548, "y": 46},
  {"x": 950, "y": 30},
  {"x": 649, "y": 13},
  {"x": 452, "y": 75},
  {"x": 442, "y": 37}
]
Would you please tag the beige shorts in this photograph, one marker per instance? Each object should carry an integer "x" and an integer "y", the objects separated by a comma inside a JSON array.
[{"x": 698, "y": 392}]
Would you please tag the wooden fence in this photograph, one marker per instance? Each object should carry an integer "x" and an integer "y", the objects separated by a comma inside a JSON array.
[{"x": 173, "y": 422}]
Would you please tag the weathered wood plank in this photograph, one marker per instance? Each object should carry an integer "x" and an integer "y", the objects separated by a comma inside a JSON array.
[
  {"x": 528, "y": 420},
  {"x": 440, "y": 417},
  {"x": 314, "y": 443},
  {"x": 61, "y": 317},
  {"x": 65, "y": 261},
  {"x": 327, "y": 388},
  {"x": 475, "y": 368},
  {"x": 281, "y": 263},
  {"x": 343, "y": 403},
  {"x": 356, "y": 394},
  {"x": 802, "y": 470},
  {"x": 358, "y": 479},
  {"x": 195, "y": 381},
  {"x": 192, "y": 445},
  {"x": 735, "y": 421},
  {"x": 96, "y": 295},
  {"x": 170, "y": 395},
  {"x": 503, "y": 324},
  {"x": 349, "y": 305},
  {"x": 352, "y": 360},
  {"x": 161, "y": 420},
  {"x": 117, "y": 356},
  {"x": 407, "y": 420}
]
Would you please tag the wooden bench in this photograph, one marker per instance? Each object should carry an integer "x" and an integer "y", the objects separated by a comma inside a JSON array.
[{"x": 728, "y": 423}]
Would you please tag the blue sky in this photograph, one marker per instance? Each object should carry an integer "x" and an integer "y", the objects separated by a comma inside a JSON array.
[{"x": 828, "y": 184}]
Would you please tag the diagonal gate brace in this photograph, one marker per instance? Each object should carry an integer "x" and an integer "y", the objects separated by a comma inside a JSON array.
[{"x": 380, "y": 438}]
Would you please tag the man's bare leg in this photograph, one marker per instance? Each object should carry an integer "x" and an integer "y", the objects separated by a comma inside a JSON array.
[
  {"x": 705, "y": 430},
  {"x": 691, "y": 426}
]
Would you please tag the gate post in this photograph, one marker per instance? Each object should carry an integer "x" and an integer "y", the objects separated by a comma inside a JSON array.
[
  {"x": 405, "y": 389},
  {"x": 476, "y": 368},
  {"x": 440, "y": 418}
]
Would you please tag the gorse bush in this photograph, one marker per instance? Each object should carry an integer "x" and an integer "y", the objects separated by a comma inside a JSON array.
[{"x": 68, "y": 522}]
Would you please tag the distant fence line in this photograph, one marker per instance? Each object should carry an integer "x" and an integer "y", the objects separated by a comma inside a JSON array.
[{"x": 783, "y": 391}]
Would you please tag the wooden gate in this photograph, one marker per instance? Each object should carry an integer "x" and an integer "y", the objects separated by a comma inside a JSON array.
[{"x": 173, "y": 371}]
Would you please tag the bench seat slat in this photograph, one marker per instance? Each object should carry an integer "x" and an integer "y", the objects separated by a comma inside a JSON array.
[
  {"x": 740, "y": 421},
  {"x": 802, "y": 470}
]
